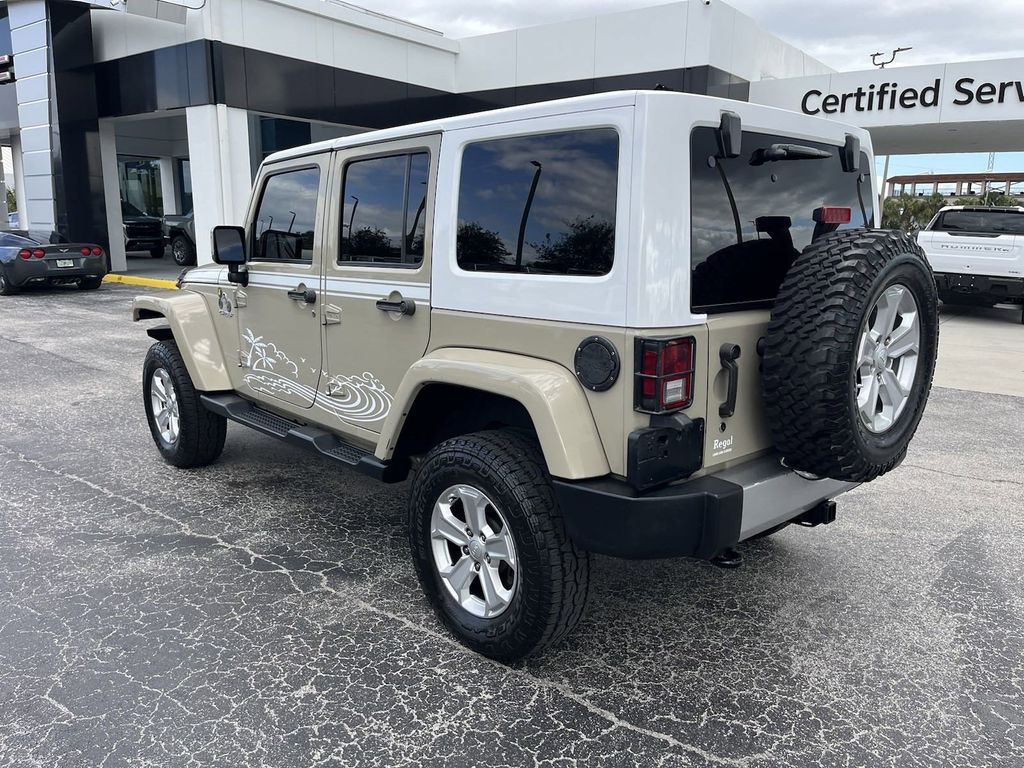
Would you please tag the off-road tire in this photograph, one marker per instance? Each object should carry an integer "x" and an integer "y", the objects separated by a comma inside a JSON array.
[
  {"x": 6, "y": 287},
  {"x": 156, "y": 253},
  {"x": 553, "y": 578},
  {"x": 201, "y": 433},
  {"x": 182, "y": 251},
  {"x": 809, "y": 367},
  {"x": 90, "y": 283}
]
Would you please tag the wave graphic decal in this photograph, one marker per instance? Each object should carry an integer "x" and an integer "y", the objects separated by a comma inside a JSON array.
[{"x": 359, "y": 398}]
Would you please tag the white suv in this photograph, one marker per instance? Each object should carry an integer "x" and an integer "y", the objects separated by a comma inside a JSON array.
[{"x": 977, "y": 254}]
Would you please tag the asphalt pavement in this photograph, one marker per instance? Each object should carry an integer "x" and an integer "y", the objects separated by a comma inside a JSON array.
[{"x": 264, "y": 611}]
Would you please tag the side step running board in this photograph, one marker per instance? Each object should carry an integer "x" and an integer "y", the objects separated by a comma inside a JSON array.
[{"x": 317, "y": 440}]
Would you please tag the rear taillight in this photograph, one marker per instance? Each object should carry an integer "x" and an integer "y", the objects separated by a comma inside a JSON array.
[
  {"x": 25, "y": 253},
  {"x": 39, "y": 253},
  {"x": 664, "y": 374},
  {"x": 97, "y": 251},
  {"x": 86, "y": 251},
  {"x": 832, "y": 214}
]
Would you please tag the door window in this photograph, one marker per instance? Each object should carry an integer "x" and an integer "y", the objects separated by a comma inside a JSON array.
[
  {"x": 542, "y": 204},
  {"x": 384, "y": 211},
  {"x": 285, "y": 227}
]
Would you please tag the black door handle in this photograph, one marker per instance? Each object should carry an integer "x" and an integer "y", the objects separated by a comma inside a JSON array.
[
  {"x": 403, "y": 307},
  {"x": 729, "y": 354},
  {"x": 302, "y": 293}
]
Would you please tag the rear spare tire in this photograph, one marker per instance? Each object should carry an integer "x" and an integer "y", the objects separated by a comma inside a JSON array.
[{"x": 850, "y": 353}]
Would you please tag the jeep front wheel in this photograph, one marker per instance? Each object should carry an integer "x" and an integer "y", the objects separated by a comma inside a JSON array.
[
  {"x": 490, "y": 546},
  {"x": 186, "y": 434}
]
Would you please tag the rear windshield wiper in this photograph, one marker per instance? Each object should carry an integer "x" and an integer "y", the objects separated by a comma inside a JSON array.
[{"x": 777, "y": 152}]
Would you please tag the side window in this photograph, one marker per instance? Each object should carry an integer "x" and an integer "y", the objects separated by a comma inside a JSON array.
[
  {"x": 542, "y": 204},
  {"x": 384, "y": 212},
  {"x": 286, "y": 218}
]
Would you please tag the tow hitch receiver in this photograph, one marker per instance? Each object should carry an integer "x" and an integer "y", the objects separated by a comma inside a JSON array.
[{"x": 822, "y": 514}]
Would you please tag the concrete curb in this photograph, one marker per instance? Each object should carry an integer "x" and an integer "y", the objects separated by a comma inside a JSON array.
[{"x": 148, "y": 282}]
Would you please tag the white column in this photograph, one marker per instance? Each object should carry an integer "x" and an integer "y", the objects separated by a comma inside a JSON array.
[
  {"x": 3, "y": 195},
  {"x": 168, "y": 189},
  {"x": 112, "y": 196},
  {"x": 29, "y": 35},
  {"x": 19, "y": 180},
  {"x": 218, "y": 146}
]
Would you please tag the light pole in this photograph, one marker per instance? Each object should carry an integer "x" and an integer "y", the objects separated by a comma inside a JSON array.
[{"x": 526, "y": 212}]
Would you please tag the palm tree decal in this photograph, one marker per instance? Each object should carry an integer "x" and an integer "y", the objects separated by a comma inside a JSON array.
[{"x": 263, "y": 355}]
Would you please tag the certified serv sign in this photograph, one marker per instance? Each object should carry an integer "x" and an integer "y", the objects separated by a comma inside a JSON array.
[
  {"x": 889, "y": 94},
  {"x": 934, "y": 103}
]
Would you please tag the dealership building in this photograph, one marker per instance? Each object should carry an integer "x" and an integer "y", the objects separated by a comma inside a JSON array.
[{"x": 169, "y": 106}]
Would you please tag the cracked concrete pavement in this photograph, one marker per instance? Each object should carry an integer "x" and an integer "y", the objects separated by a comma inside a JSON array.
[{"x": 264, "y": 611}]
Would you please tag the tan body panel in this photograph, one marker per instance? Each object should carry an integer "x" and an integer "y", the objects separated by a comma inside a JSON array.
[
  {"x": 189, "y": 317},
  {"x": 548, "y": 392},
  {"x": 734, "y": 439},
  {"x": 612, "y": 410}
]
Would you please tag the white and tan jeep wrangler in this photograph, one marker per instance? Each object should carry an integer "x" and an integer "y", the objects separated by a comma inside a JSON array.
[{"x": 643, "y": 324}]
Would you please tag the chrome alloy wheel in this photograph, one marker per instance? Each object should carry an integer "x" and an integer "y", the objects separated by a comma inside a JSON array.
[
  {"x": 887, "y": 358},
  {"x": 473, "y": 551},
  {"x": 164, "y": 402}
]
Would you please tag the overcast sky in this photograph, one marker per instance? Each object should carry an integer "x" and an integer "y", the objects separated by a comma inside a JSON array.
[{"x": 841, "y": 33}]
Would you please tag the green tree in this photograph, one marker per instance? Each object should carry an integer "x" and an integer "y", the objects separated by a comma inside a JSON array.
[
  {"x": 989, "y": 198},
  {"x": 909, "y": 213},
  {"x": 587, "y": 248},
  {"x": 371, "y": 242},
  {"x": 476, "y": 245},
  {"x": 12, "y": 200}
]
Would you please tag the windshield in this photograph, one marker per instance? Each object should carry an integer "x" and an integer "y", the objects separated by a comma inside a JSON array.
[
  {"x": 982, "y": 222},
  {"x": 127, "y": 209},
  {"x": 752, "y": 215}
]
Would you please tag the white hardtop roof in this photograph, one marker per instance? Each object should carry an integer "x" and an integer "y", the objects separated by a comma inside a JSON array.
[{"x": 547, "y": 109}]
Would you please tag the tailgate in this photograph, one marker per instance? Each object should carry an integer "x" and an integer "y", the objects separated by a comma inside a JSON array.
[
  {"x": 729, "y": 439},
  {"x": 979, "y": 254}
]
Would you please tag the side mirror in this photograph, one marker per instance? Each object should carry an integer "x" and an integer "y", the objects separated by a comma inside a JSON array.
[
  {"x": 229, "y": 245},
  {"x": 229, "y": 249}
]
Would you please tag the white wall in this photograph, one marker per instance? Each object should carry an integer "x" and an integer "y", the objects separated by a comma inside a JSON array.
[{"x": 673, "y": 36}]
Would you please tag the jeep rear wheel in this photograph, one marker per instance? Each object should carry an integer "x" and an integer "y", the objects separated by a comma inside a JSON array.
[
  {"x": 186, "y": 434},
  {"x": 490, "y": 546},
  {"x": 850, "y": 354}
]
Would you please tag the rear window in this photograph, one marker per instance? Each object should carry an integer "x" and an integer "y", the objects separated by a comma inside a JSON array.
[
  {"x": 982, "y": 222},
  {"x": 742, "y": 248},
  {"x": 541, "y": 204}
]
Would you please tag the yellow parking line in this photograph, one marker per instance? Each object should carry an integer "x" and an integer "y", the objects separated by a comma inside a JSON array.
[{"x": 148, "y": 282}]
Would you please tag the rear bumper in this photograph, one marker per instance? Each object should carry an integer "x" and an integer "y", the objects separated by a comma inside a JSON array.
[
  {"x": 982, "y": 286},
  {"x": 22, "y": 272},
  {"x": 698, "y": 518}
]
